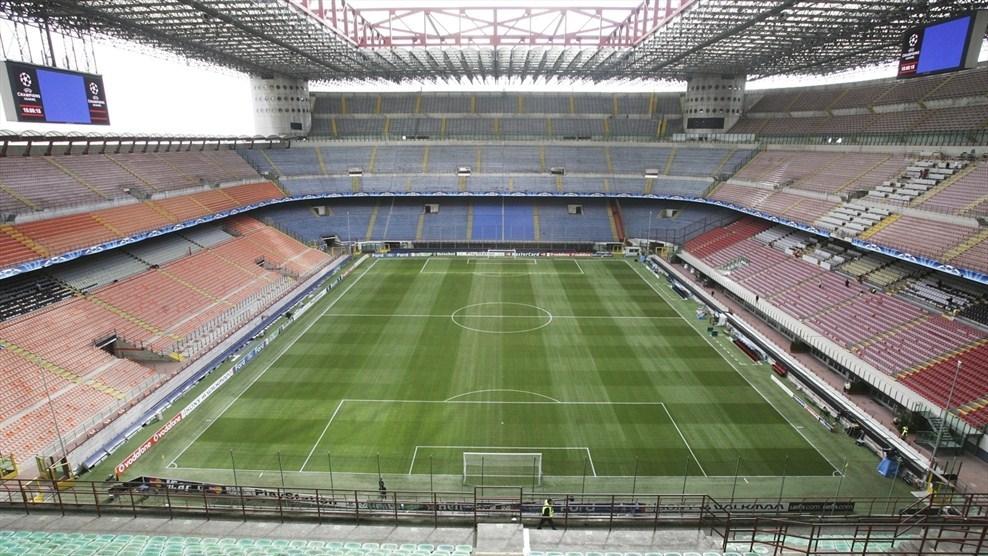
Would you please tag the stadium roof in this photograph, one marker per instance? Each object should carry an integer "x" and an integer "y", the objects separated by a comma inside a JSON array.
[{"x": 334, "y": 40}]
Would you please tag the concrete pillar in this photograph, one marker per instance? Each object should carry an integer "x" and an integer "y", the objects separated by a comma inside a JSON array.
[
  {"x": 281, "y": 106},
  {"x": 714, "y": 102}
]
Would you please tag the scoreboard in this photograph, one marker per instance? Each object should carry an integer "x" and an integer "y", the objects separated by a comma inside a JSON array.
[
  {"x": 40, "y": 94},
  {"x": 948, "y": 45}
]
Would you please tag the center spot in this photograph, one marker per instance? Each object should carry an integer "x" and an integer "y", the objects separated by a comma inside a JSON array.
[{"x": 501, "y": 317}]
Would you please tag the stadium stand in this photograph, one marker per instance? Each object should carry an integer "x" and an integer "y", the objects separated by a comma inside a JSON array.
[
  {"x": 965, "y": 194},
  {"x": 671, "y": 221},
  {"x": 716, "y": 240},
  {"x": 825, "y": 172},
  {"x": 488, "y": 158},
  {"x": 44, "y": 543},
  {"x": 795, "y": 207},
  {"x": 203, "y": 281},
  {"x": 55, "y": 236},
  {"x": 38, "y": 183},
  {"x": 22, "y": 294},
  {"x": 792, "y": 271},
  {"x": 885, "y": 107},
  {"x": 925, "y": 237},
  {"x": 504, "y": 116}
]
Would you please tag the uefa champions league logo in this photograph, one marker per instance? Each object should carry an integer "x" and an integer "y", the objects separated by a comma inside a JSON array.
[
  {"x": 913, "y": 39},
  {"x": 94, "y": 89},
  {"x": 25, "y": 79}
]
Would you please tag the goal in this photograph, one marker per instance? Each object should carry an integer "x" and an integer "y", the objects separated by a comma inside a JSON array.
[
  {"x": 492, "y": 253},
  {"x": 502, "y": 469}
]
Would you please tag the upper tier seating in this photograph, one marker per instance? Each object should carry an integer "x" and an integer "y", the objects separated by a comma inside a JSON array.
[
  {"x": 958, "y": 118},
  {"x": 489, "y": 116},
  {"x": 443, "y": 159},
  {"x": 495, "y": 103},
  {"x": 55, "y": 236},
  {"x": 197, "y": 295},
  {"x": 37, "y": 183},
  {"x": 505, "y": 127},
  {"x": 970, "y": 83}
]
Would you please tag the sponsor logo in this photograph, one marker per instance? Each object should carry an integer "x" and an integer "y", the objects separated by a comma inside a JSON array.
[{"x": 143, "y": 448}]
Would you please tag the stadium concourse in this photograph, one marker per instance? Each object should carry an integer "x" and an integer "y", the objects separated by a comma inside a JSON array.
[{"x": 689, "y": 318}]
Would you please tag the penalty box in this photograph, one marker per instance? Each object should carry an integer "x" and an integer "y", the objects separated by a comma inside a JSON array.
[
  {"x": 420, "y": 437},
  {"x": 505, "y": 266}
]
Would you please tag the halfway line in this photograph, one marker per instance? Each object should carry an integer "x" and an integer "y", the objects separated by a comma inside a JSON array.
[{"x": 428, "y": 316}]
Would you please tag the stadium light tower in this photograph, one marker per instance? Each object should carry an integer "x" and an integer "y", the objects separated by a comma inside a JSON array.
[
  {"x": 943, "y": 421},
  {"x": 54, "y": 416}
]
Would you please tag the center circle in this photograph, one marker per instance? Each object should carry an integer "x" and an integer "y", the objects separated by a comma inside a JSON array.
[{"x": 501, "y": 317}]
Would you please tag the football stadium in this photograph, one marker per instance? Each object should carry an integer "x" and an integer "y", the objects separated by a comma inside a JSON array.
[{"x": 605, "y": 278}]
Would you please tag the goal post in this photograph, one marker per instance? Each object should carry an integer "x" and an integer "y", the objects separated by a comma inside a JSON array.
[
  {"x": 494, "y": 253},
  {"x": 502, "y": 469}
]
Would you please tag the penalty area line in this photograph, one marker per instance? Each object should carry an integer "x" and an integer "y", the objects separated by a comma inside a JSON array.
[
  {"x": 724, "y": 354},
  {"x": 324, "y": 429},
  {"x": 281, "y": 353}
]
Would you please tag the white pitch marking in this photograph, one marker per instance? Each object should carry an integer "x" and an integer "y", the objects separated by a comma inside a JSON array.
[
  {"x": 502, "y": 390},
  {"x": 724, "y": 355},
  {"x": 554, "y": 316},
  {"x": 326, "y": 428},
  {"x": 496, "y": 402},
  {"x": 274, "y": 360},
  {"x": 590, "y": 459},
  {"x": 696, "y": 459},
  {"x": 415, "y": 453}
]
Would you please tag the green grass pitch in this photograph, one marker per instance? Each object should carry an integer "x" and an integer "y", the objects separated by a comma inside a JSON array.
[{"x": 420, "y": 360}]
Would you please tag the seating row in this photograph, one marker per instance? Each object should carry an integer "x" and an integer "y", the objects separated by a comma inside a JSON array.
[
  {"x": 35, "y": 183},
  {"x": 962, "y": 84},
  {"x": 891, "y": 334},
  {"x": 446, "y": 159},
  {"x": 58, "y": 350},
  {"x": 496, "y": 103},
  {"x": 54, "y": 236}
]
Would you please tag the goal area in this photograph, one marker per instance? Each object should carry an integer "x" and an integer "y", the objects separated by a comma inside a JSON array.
[{"x": 502, "y": 469}]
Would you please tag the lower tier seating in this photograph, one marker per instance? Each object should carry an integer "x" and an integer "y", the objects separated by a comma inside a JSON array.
[
  {"x": 720, "y": 238},
  {"x": 178, "y": 309},
  {"x": 896, "y": 336},
  {"x": 459, "y": 219}
]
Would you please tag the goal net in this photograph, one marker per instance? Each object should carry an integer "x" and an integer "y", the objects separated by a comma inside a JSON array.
[
  {"x": 502, "y": 469},
  {"x": 492, "y": 253}
]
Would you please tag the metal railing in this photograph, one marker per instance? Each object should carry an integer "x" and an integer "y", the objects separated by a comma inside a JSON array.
[{"x": 730, "y": 518}]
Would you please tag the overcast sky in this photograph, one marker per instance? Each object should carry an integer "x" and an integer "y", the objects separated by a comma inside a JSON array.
[{"x": 155, "y": 92}]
